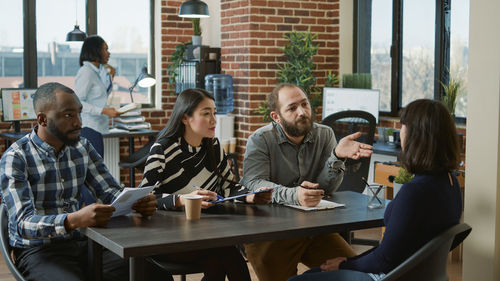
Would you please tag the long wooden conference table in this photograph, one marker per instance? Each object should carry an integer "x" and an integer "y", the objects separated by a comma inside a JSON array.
[{"x": 135, "y": 238}]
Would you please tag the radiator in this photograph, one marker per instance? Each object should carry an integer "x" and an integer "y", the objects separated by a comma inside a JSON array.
[{"x": 112, "y": 156}]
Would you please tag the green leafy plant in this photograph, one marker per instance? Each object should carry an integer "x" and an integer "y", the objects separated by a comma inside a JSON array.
[
  {"x": 196, "y": 26},
  {"x": 298, "y": 68},
  {"x": 389, "y": 132},
  {"x": 357, "y": 81},
  {"x": 403, "y": 176},
  {"x": 451, "y": 91},
  {"x": 331, "y": 79},
  {"x": 177, "y": 58}
]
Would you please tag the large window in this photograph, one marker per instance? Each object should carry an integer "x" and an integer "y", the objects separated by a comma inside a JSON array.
[
  {"x": 413, "y": 47},
  {"x": 459, "y": 50},
  {"x": 125, "y": 25},
  {"x": 11, "y": 42},
  {"x": 418, "y": 50},
  {"x": 122, "y": 24}
]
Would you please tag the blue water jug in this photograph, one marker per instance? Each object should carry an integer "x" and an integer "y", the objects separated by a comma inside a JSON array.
[{"x": 221, "y": 87}]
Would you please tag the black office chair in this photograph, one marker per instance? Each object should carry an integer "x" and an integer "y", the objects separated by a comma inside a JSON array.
[
  {"x": 232, "y": 159},
  {"x": 345, "y": 123},
  {"x": 429, "y": 263},
  {"x": 5, "y": 246},
  {"x": 136, "y": 160},
  {"x": 95, "y": 138},
  {"x": 177, "y": 268}
]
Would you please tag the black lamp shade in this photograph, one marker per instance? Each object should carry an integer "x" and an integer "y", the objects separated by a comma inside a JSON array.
[
  {"x": 194, "y": 9},
  {"x": 76, "y": 34}
]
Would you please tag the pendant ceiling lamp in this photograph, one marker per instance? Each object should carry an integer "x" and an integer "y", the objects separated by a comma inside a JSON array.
[
  {"x": 194, "y": 9},
  {"x": 76, "y": 34}
]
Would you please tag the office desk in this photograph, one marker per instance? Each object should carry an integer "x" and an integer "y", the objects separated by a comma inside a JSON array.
[
  {"x": 386, "y": 149},
  {"x": 135, "y": 238},
  {"x": 14, "y": 136}
]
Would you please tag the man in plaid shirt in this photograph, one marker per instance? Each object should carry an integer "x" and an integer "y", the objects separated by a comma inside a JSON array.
[{"x": 41, "y": 175}]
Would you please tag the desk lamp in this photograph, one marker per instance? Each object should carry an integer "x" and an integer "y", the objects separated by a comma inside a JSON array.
[
  {"x": 194, "y": 9},
  {"x": 144, "y": 80}
]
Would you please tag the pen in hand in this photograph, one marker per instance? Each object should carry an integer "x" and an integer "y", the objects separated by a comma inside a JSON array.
[{"x": 312, "y": 188}]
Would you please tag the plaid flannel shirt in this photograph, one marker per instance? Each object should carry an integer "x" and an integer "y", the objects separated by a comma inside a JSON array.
[{"x": 40, "y": 187}]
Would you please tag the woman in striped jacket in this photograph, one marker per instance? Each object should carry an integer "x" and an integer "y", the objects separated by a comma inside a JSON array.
[{"x": 187, "y": 159}]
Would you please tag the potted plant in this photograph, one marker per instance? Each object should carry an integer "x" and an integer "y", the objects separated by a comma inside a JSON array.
[
  {"x": 403, "y": 177},
  {"x": 196, "y": 32},
  {"x": 299, "y": 67},
  {"x": 389, "y": 133},
  {"x": 451, "y": 91},
  {"x": 177, "y": 58}
]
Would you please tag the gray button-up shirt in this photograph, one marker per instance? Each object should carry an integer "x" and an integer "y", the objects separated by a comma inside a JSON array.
[{"x": 272, "y": 160}]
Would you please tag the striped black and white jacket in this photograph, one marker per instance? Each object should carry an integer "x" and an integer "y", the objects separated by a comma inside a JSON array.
[{"x": 181, "y": 168}]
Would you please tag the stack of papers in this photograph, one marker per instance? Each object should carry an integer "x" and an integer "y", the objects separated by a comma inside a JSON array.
[
  {"x": 123, "y": 203},
  {"x": 131, "y": 119},
  {"x": 132, "y": 126},
  {"x": 129, "y": 107},
  {"x": 323, "y": 205}
]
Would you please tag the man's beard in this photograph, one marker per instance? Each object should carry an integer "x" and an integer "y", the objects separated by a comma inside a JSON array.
[
  {"x": 62, "y": 137},
  {"x": 298, "y": 128}
]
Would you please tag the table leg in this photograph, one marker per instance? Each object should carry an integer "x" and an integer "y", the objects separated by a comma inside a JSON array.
[
  {"x": 95, "y": 260},
  {"x": 137, "y": 268},
  {"x": 131, "y": 170}
]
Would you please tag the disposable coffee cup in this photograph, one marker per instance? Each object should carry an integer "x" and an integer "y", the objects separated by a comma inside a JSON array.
[
  {"x": 232, "y": 145},
  {"x": 377, "y": 196},
  {"x": 225, "y": 145},
  {"x": 192, "y": 204}
]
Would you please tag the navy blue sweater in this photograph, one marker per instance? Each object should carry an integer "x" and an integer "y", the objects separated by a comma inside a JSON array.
[{"x": 423, "y": 208}]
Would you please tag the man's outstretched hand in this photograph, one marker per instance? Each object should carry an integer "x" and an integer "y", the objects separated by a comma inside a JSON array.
[{"x": 349, "y": 148}]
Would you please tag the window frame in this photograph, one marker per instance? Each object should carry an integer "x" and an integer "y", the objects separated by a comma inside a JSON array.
[
  {"x": 362, "y": 46},
  {"x": 30, "y": 48}
]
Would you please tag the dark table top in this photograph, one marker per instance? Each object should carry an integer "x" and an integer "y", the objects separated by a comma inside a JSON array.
[
  {"x": 229, "y": 224},
  {"x": 386, "y": 148},
  {"x": 14, "y": 136}
]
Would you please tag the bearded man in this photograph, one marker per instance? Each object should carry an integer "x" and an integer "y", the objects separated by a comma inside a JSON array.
[{"x": 303, "y": 161}]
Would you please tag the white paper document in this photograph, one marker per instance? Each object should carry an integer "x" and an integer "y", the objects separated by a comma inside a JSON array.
[
  {"x": 323, "y": 205},
  {"x": 129, "y": 107},
  {"x": 123, "y": 203}
]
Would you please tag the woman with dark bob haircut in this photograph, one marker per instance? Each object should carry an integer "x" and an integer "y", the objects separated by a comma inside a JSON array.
[
  {"x": 187, "y": 159},
  {"x": 422, "y": 209},
  {"x": 93, "y": 84}
]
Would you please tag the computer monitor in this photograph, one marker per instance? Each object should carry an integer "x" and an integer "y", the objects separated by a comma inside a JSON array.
[
  {"x": 341, "y": 99},
  {"x": 17, "y": 105}
]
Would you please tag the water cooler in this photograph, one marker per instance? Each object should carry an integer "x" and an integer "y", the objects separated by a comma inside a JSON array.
[{"x": 221, "y": 87}]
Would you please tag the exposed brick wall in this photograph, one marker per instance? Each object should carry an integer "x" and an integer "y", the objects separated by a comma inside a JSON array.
[{"x": 252, "y": 37}]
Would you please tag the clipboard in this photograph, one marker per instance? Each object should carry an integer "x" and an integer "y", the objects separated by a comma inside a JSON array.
[{"x": 241, "y": 195}]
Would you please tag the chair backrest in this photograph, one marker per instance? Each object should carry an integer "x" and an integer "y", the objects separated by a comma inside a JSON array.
[
  {"x": 345, "y": 123},
  {"x": 95, "y": 138},
  {"x": 233, "y": 162},
  {"x": 5, "y": 246},
  {"x": 429, "y": 262}
]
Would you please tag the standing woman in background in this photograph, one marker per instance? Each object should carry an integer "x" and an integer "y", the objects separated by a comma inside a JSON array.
[{"x": 93, "y": 83}]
